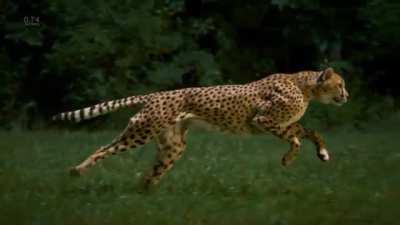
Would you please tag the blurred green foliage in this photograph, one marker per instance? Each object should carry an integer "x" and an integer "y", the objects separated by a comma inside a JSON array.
[{"x": 72, "y": 53}]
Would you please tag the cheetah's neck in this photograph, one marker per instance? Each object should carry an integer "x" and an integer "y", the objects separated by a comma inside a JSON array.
[{"x": 307, "y": 82}]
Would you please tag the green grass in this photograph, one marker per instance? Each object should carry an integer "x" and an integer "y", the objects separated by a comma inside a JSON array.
[{"x": 220, "y": 180}]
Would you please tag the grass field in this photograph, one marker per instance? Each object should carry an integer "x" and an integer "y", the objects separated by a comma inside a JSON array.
[{"x": 220, "y": 180}]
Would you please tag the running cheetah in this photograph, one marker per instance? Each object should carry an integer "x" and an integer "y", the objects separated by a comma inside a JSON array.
[{"x": 273, "y": 104}]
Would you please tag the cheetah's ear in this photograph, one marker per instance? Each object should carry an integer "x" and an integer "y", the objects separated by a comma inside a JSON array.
[{"x": 325, "y": 75}]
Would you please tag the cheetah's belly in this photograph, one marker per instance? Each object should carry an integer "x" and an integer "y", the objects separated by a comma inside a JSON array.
[{"x": 226, "y": 123}]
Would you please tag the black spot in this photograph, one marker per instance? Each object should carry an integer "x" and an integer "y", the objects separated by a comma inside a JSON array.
[
  {"x": 81, "y": 114},
  {"x": 139, "y": 142},
  {"x": 91, "y": 111},
  {"x": 157, "y": 167},
  {"x": 167, "y": 148},
  {"x": 143, "y": 137}
]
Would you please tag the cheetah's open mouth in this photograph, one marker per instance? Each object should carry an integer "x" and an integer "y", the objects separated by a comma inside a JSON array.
[{"x": 338, "y": 101}]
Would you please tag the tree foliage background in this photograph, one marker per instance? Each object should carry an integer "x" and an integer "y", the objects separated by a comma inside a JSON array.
[{"x": 64, "y": 54}]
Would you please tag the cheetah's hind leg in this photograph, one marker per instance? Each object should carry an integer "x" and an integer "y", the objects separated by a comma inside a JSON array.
[
  {"x": 137, "y": 133},
  {"x": 171, "y": 144}
]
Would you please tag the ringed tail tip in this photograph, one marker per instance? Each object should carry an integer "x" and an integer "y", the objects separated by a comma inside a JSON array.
[{"x": 56, "y": 117}]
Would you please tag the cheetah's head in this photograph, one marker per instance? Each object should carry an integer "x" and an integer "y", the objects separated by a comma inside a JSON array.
[{"x": 330, "y": 88}]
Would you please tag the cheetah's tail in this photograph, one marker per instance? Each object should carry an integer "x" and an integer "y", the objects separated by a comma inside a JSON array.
[{"x": 99, "y": 109}]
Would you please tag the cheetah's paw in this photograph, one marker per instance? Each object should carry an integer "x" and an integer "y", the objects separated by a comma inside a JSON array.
[{"x": 324, "y": 155}]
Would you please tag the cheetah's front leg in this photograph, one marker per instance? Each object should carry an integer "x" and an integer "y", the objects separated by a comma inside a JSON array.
[
  {"x": 293, "y": 134},
  {"x": 295, "y": 130},
  {"x": 316, "y": 138}
]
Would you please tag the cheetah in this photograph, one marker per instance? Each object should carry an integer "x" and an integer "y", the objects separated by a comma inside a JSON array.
[{"x": 273, "y": 105}]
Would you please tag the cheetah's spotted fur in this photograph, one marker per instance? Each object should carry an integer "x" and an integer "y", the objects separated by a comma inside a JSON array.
[{"x": 273, "y": 104}]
